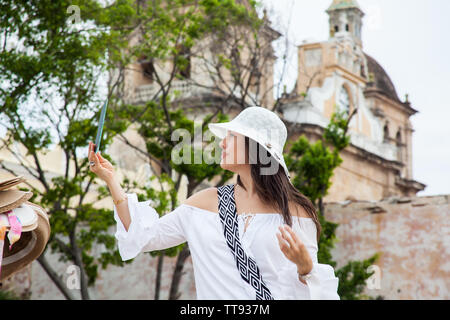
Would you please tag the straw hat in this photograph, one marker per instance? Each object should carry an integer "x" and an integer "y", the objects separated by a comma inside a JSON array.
[
  {"x": 7, "y": 184},
  {"x": 261, "y": 125},
  {"x": 35, "y": 228},
  {"x": 10, "y": 199}
]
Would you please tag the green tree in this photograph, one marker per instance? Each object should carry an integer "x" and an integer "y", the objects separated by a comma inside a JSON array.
[
  {"x": 313, "y": 165},
  {"x": 172, "y": 34},
  {"x": 52, "y": 84}
]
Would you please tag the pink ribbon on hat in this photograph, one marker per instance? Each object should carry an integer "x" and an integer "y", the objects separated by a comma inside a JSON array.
[
  {"x": 14, "y": 233},
  {"x": 15, "y": 229},
  {"x": 2, "y": 238}
]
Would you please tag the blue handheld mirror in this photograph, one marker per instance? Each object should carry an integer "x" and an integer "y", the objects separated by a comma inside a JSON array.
[{"x": 100, "y": 127}]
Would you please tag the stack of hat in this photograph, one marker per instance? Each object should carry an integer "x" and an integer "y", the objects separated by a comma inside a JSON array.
[{"x": 24, "y": 228}]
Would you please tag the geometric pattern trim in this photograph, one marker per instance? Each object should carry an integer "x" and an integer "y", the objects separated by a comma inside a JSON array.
[{"x": 246, "y": 265}]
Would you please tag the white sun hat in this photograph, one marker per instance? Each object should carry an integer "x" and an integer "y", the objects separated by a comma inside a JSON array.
[{"x": 261, "y": 125}]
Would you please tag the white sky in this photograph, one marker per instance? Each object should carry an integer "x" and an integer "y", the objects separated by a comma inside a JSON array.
[{"x": 411, "y": 40}]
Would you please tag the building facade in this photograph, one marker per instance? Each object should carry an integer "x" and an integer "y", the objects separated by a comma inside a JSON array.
[
  {"x": 337, "y": 74},
  {"x": 373, "y": 193}
]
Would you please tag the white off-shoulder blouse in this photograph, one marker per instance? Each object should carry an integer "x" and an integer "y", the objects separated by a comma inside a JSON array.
[{"x": 215, "y": 271}]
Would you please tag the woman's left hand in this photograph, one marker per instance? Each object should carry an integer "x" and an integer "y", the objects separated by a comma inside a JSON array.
[{"x": 294, "y": 249}]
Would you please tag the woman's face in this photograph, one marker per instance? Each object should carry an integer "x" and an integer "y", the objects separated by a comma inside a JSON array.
[{"x": 233, "y": 151}]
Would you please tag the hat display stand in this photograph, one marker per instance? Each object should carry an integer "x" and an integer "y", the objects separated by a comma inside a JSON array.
[{"x": 24, "y": 229}]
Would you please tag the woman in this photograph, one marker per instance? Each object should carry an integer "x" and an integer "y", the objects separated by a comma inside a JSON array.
[{"x": 256, "y": 239}]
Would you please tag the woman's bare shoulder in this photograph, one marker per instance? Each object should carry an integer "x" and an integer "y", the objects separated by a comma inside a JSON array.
[
  {"x": 298, "y": 210},
  {"x": 205, "y": 199}
]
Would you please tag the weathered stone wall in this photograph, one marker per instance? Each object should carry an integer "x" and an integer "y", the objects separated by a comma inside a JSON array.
[
  {"x": 412, "y": 236},
  {"x": 132, "y": 281}
]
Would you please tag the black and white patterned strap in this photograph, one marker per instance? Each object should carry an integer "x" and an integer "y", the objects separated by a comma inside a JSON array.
[{"x": 246, "y": 265}]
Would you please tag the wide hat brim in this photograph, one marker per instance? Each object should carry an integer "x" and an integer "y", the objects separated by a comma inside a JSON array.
[
  {"x": 11, "y": 199},
  {"x": 8, "y": 184},
  {"x": 220, "y": 131},
  {"x": 28, "y": 248}
]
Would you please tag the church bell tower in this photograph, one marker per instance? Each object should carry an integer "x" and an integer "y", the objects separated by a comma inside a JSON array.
[{"x": 346, "y": 19}]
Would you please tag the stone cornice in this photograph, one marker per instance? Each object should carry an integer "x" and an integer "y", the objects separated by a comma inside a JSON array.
[
  {"x": 376, "y": 93},
  {"x": 346, "y": 73},
  {"x": 409, "y": 184},
  {"x": 317, "y": 131}
]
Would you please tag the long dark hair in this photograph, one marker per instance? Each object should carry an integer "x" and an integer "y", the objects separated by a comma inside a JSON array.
[{"x": 276, "y": 188}]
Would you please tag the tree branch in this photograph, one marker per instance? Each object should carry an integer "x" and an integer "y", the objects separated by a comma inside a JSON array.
[
  {"x": 79, "y": 262},
  {"x": 178, "y": 272},
  {"x": 55, "y": 278}
]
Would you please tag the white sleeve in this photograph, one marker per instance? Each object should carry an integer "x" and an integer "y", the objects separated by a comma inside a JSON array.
[
  {"x": 323, "y": 284},
  {"x": 147, "y": 231}
]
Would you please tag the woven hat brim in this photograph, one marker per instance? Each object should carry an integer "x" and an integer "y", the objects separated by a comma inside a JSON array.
[
  {"x": 219, "y": 129},
  {"x": 28, "y": 248},
  {"x": 11, "y": 199},
  {"x": 7, "y": 184}
]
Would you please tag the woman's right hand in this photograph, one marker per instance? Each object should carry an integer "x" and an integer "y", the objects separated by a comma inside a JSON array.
[{"x": 101, "y": 167}]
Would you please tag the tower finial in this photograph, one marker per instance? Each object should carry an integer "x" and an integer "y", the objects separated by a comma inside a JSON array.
[
  {"x": 343, "y": 4},
  {"x": 346, "y": 16}
]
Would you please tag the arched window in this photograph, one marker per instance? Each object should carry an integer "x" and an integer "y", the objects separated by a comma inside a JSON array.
[
  {"x": 148, "y": 69},
  {"x": 183, "y": 60},
  {"x": 386, "y": 133},
  {"x": 398, "y": 141},
  {"x": 344, "y": 100},
  {"x": 398, "y": 137}
]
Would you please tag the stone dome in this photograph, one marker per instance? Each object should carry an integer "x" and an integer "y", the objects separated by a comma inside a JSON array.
[{"x": 381, "y": 80}]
